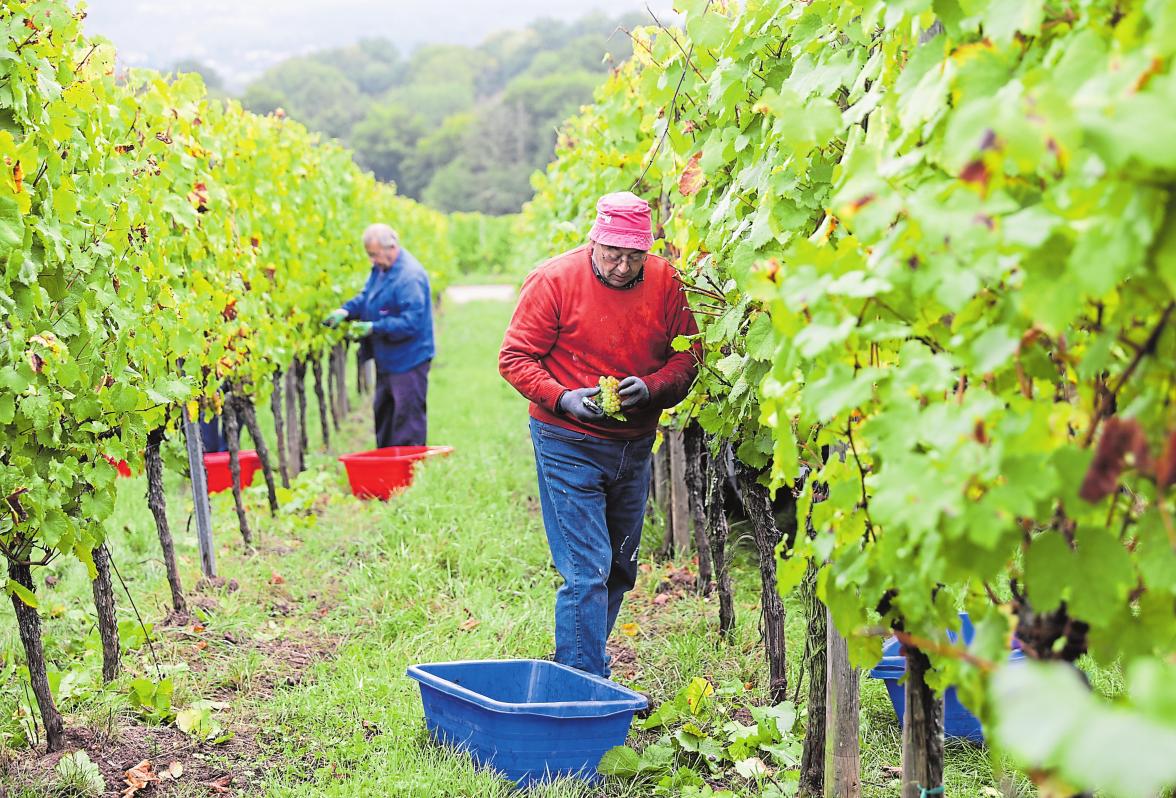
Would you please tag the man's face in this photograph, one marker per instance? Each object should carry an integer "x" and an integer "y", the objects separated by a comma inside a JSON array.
[
  {"x": 618, "y": 265},
  {"x": 380, "y": 255}
]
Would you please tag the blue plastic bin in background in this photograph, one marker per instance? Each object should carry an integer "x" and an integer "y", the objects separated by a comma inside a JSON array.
[
  {"x": 957, "y": 721},
  {"x": 529, "y": 720}
]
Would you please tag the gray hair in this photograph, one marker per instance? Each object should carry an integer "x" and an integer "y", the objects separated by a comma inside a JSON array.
[{"x": 380, "y": 234}]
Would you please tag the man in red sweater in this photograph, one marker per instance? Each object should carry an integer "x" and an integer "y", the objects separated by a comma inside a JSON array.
[{"x": 607, "y": 308}]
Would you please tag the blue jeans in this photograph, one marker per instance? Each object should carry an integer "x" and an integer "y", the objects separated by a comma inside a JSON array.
[{"x": 593, "y": 493}]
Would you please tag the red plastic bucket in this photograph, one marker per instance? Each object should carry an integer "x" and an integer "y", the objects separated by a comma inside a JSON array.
[
  {"x": 379, "y": 473},
  {"x": 216, "y": 465}
]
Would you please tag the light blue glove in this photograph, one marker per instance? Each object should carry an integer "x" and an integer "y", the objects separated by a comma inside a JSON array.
[
  {"x": 360, "y": 329},
  {"x": 335, "y": 318}
]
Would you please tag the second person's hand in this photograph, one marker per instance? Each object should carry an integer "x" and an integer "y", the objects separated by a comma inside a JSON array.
[
  {"x": 335, "y": 317},
  {"x": 360, "y": 329}
]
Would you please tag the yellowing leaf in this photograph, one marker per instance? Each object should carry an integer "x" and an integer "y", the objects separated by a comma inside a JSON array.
[{"x": 22, "y": 592}]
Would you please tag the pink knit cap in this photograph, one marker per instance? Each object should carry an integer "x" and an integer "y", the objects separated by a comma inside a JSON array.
[{"x": 622, "y": 220}]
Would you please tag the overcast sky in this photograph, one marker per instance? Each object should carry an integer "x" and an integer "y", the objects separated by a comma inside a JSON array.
[{"x": 240, "y": 38}]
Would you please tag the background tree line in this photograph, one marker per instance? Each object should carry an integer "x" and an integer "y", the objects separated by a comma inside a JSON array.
[{"x": 460, "y": 128}]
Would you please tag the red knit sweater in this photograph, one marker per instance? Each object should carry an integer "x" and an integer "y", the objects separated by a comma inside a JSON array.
[{"x": 569, "y": 330}]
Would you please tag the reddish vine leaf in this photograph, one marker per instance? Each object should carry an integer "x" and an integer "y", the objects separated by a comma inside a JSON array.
[
  {"x": 691, "y": 180},
  {"x": 199, "y": 197},
  {"x": 1166, "y": 465},
  {"x": 977, "y": 174},
  {"x": 979, "y": 433},
  {"x": 1119, "y": 438}
]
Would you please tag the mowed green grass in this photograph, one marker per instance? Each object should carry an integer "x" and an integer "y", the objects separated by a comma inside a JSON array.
[{"x": 454, "y": 568}]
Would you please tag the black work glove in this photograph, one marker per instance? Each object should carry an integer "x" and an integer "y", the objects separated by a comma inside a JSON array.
[
  {"x": 634, "y": 393},
  {"x": 575, "y": 403}
]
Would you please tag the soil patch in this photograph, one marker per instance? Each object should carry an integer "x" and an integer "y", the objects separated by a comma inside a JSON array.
[{"x": 229, "y": 768}]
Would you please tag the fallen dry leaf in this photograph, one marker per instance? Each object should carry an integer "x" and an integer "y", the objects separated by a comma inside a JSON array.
[
  {"x": 630, "y": 629},
  {"x": 220, "y": 786},
  {"x": 139, "y": 777},
  {"x": 470, "y": 624},
  {"x": 277, "y": 579}
]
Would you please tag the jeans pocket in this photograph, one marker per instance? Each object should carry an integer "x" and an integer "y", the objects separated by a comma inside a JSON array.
[{"x": 561, "y": 434}]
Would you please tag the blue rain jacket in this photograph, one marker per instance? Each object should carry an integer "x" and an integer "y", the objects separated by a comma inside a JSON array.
[{"x": 399, "y": 303}]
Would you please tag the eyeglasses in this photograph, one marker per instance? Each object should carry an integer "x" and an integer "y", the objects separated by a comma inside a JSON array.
[{"x": 634, "y": 259}]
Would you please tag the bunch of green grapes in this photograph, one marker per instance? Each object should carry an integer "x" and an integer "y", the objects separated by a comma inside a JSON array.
[{"x": 608, "y": 400}]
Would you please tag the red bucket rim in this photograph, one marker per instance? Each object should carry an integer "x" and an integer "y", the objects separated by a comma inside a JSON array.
[
  {"x": 382, "y": 454},
  {"x": 219, "y": 457}
]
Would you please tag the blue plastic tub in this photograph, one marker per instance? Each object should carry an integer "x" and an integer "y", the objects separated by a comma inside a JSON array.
[
  {"x": 529, "y": 720},
  {"x": 957, "y": 720}
]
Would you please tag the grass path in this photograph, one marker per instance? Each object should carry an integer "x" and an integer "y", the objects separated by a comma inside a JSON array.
[{"x": 306, "y": 645}]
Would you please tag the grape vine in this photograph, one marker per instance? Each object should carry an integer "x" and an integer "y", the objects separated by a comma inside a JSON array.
[
  {"x": 932, "y": 248},
  {"x": 157, "y": 245}
]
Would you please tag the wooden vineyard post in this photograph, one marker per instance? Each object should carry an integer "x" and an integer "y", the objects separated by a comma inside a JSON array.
[
  {"x": 660, "y": 493},
  {"x": 922, "y": 731},
  {"x": 812, "y": 762},
  {"x": 280, "y": 426},
  {"x": 201, "y": 508},
  {"x": 679, "y": 511},
  {"x": 842, "y": 753},
  {"x": 696, "y": 458},
  {"x": 293, "y": 432}
]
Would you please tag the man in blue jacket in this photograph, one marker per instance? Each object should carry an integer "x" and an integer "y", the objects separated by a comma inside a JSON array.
[{"x": 394, "y": 314}]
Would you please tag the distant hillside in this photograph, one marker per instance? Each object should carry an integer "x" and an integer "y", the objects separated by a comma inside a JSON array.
[
  {"x": 241, "y": 39},
  {"x": 462, "y": 128}
]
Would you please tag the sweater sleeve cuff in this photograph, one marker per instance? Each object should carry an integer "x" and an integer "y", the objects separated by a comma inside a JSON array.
[
  {"x": 550, "y": 395},
  {"x": 656, "y": 386}
]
